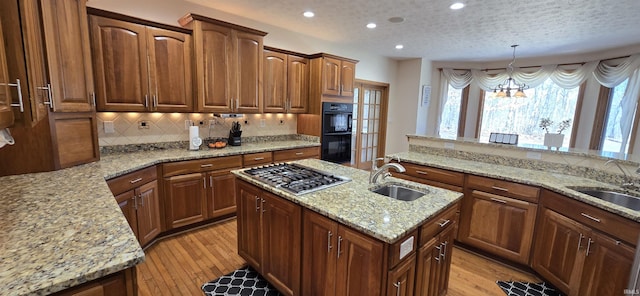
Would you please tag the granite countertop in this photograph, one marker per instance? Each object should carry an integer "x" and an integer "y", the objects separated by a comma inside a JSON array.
[
  {"x": 556, "y": 182},
  {"x": 352, "y": 204},
  {"x": 64, "y": 228}
]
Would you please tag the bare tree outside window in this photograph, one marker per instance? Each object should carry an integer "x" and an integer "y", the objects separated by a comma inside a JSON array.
[{"x": 451, "y": 114}]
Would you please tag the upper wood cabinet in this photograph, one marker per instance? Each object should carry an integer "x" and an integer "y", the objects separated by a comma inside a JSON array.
[
  {"x": 229, "y": 65},
  {"x": 6, "y": 114},
  {"x": 140, "y": 67},
  {"x": 335, "y": 75},
  {"x": 286, "y": 82}
]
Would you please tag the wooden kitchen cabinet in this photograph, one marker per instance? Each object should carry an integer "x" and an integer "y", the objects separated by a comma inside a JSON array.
[
  {"x": 6, "y": 114},
  {"x": 229, "y": 65},
  {"x": 432, "y": 176},
  {"x": 122, "y": 283},
  {"x": 576, "y": 257},
  {"x": 338, "y": 260},
  {"x": 337, "y": 76},
  {"x": 140, "y": 66},
  {"x": 401, "y": 280},
  {"x": 186, "y": 201},
  {"x": 138, "y": 197},
  {"x": 221, "y": 194},
  {"x": 497, "y": 223},
  {"x": 296, "y": 154},
  {"x": 269, "y": 236},
  {"x": 286, "y": 82}
]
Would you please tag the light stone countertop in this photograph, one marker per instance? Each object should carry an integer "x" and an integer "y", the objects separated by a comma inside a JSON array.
[
  {"x": 556, "y": 182},
  {"x": 64, "y": 228},
  {"x": 354, "y": 205}
]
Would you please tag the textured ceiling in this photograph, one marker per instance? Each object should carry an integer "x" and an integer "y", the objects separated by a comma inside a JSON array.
[{"x": 482, "y": 31}]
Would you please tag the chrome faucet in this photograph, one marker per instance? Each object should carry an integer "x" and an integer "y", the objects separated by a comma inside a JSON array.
[
  {"x": 628, "y": 180},
  {"x": 376, "y": 171}
]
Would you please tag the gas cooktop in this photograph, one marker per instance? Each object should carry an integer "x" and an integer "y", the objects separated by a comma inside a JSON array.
[{"x": 295, "y": 178}]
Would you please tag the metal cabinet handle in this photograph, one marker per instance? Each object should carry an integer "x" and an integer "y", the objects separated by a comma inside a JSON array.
[
  {"x": 204, "y": 183},
  {"x": 135, "y": 202},
  {"x": 500, "y": 188},
  {"x": 339, "y": 246},
  {"x": 20, "y": 103},
  {"x": 421, "y": 172},
  {"x": 258, "y": 158},
  {"x": 231, "y": 103},
  {"x": 299, "y": 153},
  {"x": 590, "y": 217},
  {"x": 257, "y": 204},
  {"x": 439, "y": 248},
  {"x": 155, "y": 101},
  {"x": 206, "y": 165},
  {"x": 499, "y": 200},
  {"x": 146, "y": 101},
  {"x": 211, "y": 182},
  {"x": 589, "y": 242},
  {"x": 444, "y": 250},
  {"x": 141, "y": 200},
  {"x": 237, "y": 104},
  {"x": 443, "y": 224},
  {"x": 263, "y": 202},
  {"x": 580, "y": 241},
  {"x": 397, "y": 285},
  {"x": 49, "y": 95},
  {"x": 329, "y": 235},
  {"x": 93, "y": 99},
  {"x": 135, "y": 180}
]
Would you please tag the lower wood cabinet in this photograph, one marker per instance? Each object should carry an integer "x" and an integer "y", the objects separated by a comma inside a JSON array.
[
  {"x": 578, "y": 259},
  {"x": 296, "y": 154},
  {"x": 269, "y": 236},
  {"x": 185, "y": 200},
  {"x": 401, "y": 280},
  {"x": 140, "y": 203},
  {"x": 122, "y": 283}
]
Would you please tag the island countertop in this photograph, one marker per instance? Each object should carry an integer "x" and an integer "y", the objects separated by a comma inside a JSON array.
[
  {"x": 63, "y": 228},
  {"x": 352, "y": 203}
]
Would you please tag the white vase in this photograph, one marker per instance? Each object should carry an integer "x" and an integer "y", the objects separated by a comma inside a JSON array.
[{"x": 553, "y": 140}]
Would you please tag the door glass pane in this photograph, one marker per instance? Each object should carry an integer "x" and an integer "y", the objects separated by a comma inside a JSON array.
[
  {"x": 612, "y": 137},
  {"x": 378, "y": 97},
  {"x": 367, "y": 93}
]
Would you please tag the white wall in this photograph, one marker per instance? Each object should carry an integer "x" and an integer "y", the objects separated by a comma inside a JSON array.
[{"x": 402, "y": 105}]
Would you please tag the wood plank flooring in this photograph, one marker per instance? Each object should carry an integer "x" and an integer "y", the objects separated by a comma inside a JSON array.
[{"x": 179, "y": 265}]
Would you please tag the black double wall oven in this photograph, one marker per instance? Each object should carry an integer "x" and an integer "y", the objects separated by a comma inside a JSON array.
[{"x": 336, "y": 132}]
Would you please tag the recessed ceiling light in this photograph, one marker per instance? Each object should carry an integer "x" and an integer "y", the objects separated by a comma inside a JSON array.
[
  {"x": 371, "y": 25},
  {"x": 457, "y": 5},
  {"x": 309, "y": 14},
  {"x": 396, "y": 19},
  {"x": 399, "y": 46}
]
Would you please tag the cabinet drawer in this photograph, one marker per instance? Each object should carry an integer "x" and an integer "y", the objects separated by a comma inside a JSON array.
[
  {"x": 606, "y": 222},
  {"x": 254, "y": 159},
  {"x": 295, "y": 154},
  {"x": 410, "y": 243},
  {"x": 201, "y": 165},
  {"x": 132, "y": 180},
  {"x": 434, "y": 174},
  {"x": 504, "y": 188},
  {"x": 432, "y": 227},
  {"x": 428, "y": 182}
]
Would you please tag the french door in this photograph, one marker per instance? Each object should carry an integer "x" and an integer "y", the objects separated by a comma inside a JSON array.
[{"x": 370, "y": 102}]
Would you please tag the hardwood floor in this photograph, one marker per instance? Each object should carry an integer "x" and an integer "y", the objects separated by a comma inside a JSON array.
[{"x": 179, "y": 265}]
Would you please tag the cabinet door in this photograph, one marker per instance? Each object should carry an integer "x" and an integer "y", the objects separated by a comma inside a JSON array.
[
  {"x": 127, "y": 203},
  {"x": 249, "y": 223},
  {"x": 298, "y": 84},
  {"x": 120, "y": 65},
  {"x": 607, "y": 266},
  {"x": 148, "y": 212},
  {"x": 347, "y": 78},
  {"x": 400, "y": 280},
  {"x": 185, "y": 200},
  {"x": 248, "y": 69},
  {"x": 275, "y": 81},
  {"x": 221, "y": 194},
  {"x": 169, "y": 70},
  {"x": 427, "y": 268},
  {"x": 319, "y": 255},
  {"x": 6, "y": 114},
  {"x": 559, "y": 250},
  {"x": 446, "y": 247},
  {"x": 214, "y": 59},
  {"x": 359, "y": 267},
  {"x": 281, "y": 235},
  {"x": 500, "y": 225},
  {"x": 66, "y": 34},
  {"x": 331, "y": 69}
]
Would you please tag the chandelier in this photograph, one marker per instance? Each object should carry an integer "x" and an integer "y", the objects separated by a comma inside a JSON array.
[{"x": 504, "y": 90}]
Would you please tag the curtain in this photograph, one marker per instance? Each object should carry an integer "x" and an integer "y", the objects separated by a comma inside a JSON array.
[
  {"x": 441, "y": 101},
  {"x": 610, "y": 76},
  {"x": 629, "y": 102}
]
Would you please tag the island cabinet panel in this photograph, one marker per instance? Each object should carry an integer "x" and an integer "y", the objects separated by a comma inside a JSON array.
[
  {"x": 499, "y": 217},
  {"x": 319, "y": 255},
  {"x": 401, "y": 280},
  {"x": 122, "y": 283},
  {"x": 576, "y": 257},
  {"x": 269, "y": 236}
]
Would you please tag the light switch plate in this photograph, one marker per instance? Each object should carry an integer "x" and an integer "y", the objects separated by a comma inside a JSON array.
[
  {"x": 187, "y": 124},
  {"x": 108, "y": 126},
  {"x": 406, "y": 247},
  {"x": 263, "y": 122}
]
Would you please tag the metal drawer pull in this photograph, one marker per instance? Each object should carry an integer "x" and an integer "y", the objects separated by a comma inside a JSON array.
[
  {"x": 257, "y": 204},
  {"x": 206, "y": 165},
  {"x": 439, "y": 248},
  {"x": 580, "y": 241},
  {"x": 590, "y": 217},
  {"x": 339, "y": 245},
  {"x": 135, "y": 202},
  {"x": 590, "y": 241},
  {"x": 135, "y": 180},
  {"x": 263, "y": 201},
  {"x": 421, "y": 172},
  {"x": 500, "y": 188},
  {"x": 258, "y": 158},
  {"x": 397, "y": 285},
  {"x": 329, "y": 235},
  {"x": 499, "y": 200},
  {"x": 49, "y": 95},
  {"x": 443, "y": 224},
  {"x": 299, "y": 153},
  {"x": 20, "y": 103}
]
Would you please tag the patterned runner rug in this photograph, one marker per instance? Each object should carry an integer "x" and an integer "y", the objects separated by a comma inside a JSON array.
[{"x": 244, "y": 281}]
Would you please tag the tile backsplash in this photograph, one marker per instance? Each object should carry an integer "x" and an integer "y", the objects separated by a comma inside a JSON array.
[{"x": 170, "y": 127}]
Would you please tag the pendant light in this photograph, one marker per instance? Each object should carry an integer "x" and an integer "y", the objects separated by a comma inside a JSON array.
[{"x": 504, "y": 90}]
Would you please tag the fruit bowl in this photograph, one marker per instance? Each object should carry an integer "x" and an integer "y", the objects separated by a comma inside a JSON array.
[{"x": 217, "y": 143}]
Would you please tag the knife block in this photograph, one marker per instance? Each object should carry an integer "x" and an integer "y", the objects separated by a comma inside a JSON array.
[{"x": 234, "y": 140}]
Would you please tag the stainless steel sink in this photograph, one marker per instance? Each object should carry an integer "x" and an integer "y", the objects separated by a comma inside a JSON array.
[
  {"x": 398, "y": 192},
  {"x": 621, "y": 199}
]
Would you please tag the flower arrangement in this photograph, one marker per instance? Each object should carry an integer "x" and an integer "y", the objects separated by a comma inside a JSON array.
[{"x": 546, "y": 123}]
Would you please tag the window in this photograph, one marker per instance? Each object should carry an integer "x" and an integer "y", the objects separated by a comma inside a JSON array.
[
  {"x": 522, "y": 116},
  {"x": 451, "y": 114},
  {"x": 612, "y": 131}
]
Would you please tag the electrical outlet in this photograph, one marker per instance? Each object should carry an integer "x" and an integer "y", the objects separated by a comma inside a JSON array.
[
  {"x": 263, "y": 122},
  {"x": 109, "y": 128},
  {"x": 143, "y": 124},
  {"x": 281, "y": 121},
  {"x": 187, "y": 124}
]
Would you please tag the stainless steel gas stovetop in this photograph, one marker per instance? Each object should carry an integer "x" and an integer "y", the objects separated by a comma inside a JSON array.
[{"x": 295, "y": 178}]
